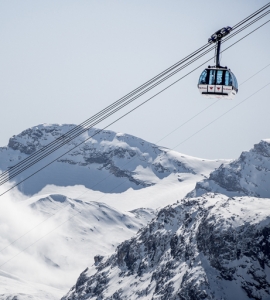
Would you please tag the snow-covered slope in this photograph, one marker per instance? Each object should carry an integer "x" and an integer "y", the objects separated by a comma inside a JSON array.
[
  {"x": 86, "y": 203},
  {"x": 106, "y": 162},
  {"x": 208, "y": 247},
  {"x": 15, "y": 288},
  {"x": 248, "y": 175},
  {"x": 75, "y": 232},
  {"x": 212, "y": 244}
]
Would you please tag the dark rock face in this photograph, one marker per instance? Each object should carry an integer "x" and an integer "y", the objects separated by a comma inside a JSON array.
[
  {"x": 28, "y": 149},
  {"x": 30, "y": 140},
  {"x": 192, "y": 250},
  {"x": 98, "y": 259},
  {"x": 227, "y": 179}
]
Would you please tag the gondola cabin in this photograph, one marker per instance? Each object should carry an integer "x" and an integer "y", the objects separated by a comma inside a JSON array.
[{"x": 218, "y": 82}]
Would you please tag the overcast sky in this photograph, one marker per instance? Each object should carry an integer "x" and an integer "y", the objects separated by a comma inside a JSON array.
[{"x": 63, "y": 61}]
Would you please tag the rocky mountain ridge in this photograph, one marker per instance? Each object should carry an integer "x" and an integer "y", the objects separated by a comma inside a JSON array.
[
  {"x": 129, "y": 175},
  {"x": 213, "y": 244},
  {"x": 249, "y": 175},
  {"x": 129, "y": 161},
  {"x": 208, "y": 247}
]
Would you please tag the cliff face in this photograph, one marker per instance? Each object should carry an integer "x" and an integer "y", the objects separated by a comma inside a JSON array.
[{"x": 209, "y": 247}]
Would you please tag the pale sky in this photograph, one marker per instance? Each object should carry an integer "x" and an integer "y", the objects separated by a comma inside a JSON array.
[{"x": 63, "y": 61}]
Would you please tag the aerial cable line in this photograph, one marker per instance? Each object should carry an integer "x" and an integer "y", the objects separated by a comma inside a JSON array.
[
  {"x": 219, "y": 117},
  {"x": 66, "y": 141},
  {"x": 113, "y": 105},
  {"x": 252, "y": 15},
  {"x": 247, "y": 25},
  {"x": 77, "y": 213},
  {"x": 99, "y": 114},
  {"x": 77, "y": 134},
  {"x": 15, "y": 172},
  {"x": 81, "y": 194},
  {"x": 129, "y": 112},
  {"x": 256, "y": 74},
  {"x": 62, "y": 140}
]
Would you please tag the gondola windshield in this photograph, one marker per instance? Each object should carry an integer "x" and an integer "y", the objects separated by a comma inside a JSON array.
[{"x": 218, "y": 77}]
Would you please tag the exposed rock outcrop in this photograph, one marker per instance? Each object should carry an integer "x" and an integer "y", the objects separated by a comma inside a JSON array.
[{"x": 210, "y": 247}]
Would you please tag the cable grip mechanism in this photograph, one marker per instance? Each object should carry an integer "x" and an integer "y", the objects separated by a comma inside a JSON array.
[{"x": 216, "y": 38}]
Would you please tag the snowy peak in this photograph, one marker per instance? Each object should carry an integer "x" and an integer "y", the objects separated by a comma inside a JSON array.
[
  {"x": 210, "y": 247},
  {"x": 63, "y": 226},
  {"x": 32, "y": 139},
  {"x": 104, "y": 147},
  {"x": 130, "y": 162},
  {"x": 248, "y": 175}
]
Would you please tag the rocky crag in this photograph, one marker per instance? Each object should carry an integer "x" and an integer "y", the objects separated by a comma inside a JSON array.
[
  {"x": 249, "y": 175},
  {"x": 213, "y": 244}
]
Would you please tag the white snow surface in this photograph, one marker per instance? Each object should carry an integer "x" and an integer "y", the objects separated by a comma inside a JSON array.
[
  {"x": 100, "y": 194},
  {"x": 72, "y": 231},
  {"x": 199, "y": 248},
  {"x": 212, "y": 244},
  {"x": 85, "y": 204},
  {"x": 13, "y": 286},
  {"x": 107, "y": 162}
]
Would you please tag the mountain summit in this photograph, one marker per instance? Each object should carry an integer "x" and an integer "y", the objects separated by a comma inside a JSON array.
[
  {"x": 128, "y": 161},
  {"x": 249, "y": 175}
]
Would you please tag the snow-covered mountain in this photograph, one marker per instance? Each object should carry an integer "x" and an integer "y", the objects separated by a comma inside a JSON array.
[
  {"x": 248, "y": 175},
  {"x": 86, "y": 204},
  {"x": 16, "y": 288},
  {"x": 67, "y": 226},
  {"x": 206, "y": 246},
  {"x": 108, "y": 196},
  {"x": 107, "y": 162}
]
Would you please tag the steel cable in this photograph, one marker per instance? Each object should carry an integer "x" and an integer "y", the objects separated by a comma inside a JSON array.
[
  {"x": 76, "y": 214},
  {"x": 14, "y": 172},
  {"x": 127, "y": 112},
  {"x": 64, "y": 139},
  {"x": 8, "y": 173},
  {"x": 78, "y": 196}
]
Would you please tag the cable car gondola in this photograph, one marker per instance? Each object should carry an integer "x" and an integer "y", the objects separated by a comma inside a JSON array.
[{"x": 218, "y": 81}]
